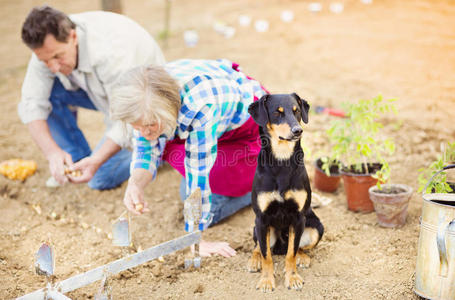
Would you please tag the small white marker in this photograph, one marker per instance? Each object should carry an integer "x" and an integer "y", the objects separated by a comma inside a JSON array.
[
  {"x": 191, "y": 38},
  {"x": 244, "y": 20},
  {"x": 261, "y": 25},
  {"x": 287, "y": 16},
  {"x": 315, "y": 7}
]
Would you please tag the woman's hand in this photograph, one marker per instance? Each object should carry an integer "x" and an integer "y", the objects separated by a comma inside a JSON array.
[
  {"x": 221, "y": 248},
  {"x": 134, "y": 194},
  {"x": 134, "y": 199}
]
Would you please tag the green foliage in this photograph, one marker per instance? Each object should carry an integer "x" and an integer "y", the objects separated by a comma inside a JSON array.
[
  {"x": 439, "y": 183},
  {"x": 327, "y": 163},
  {"x": 306, "y": 149},
  {"x": 357, "y": 140},
  {"x": 164, "y": 34}
]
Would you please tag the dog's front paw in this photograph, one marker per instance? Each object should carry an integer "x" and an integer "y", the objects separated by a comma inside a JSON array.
[
  {"x": 254, "y": 264},
  {"x": 302, "y": 259},
  {"x": 266, "y": 283},
  {"x": 293, "y": 281}
]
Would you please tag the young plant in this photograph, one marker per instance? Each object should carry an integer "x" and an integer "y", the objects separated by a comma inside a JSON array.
[
  {"x": 357, "y": 140},
  {"x": 329, "y": 163},
  {"x": 439, "y": 184}
]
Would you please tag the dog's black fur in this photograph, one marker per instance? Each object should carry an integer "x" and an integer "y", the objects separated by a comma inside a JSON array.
[{"x": 281, "y": 181}]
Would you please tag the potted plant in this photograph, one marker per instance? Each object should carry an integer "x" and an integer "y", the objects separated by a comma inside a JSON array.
[
  {"x": 327, "y": 174},
  {"x": 439, "y": 184},
  {"x": 357, "y": 141},
  {"x": 391, "y": 203}
]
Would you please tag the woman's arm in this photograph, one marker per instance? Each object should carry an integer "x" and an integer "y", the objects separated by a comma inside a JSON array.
[
  {"x": 144, "y": 164},
  {"x": 201, "y": 153}
]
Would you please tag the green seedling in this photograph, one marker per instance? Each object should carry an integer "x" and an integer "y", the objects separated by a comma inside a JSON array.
[
  {"x": 439, "y": 183},
  {"x": 357, "y": 140}
]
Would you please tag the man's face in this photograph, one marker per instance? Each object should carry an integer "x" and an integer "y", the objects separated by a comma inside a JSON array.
[{"x": 58, "y": 56}]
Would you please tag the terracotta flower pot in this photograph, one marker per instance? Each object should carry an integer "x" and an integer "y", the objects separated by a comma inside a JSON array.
[
  {"x": 391, "y": 203},
  {"x": 323, "y": 182},
  {"x": 356, "y": 186}
]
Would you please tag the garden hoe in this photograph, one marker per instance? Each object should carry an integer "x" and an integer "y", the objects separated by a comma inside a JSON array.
[{"x": 121, "y": 237}]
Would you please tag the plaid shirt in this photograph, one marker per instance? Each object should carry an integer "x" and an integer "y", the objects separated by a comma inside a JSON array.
[{"x": 215, "y": 99}]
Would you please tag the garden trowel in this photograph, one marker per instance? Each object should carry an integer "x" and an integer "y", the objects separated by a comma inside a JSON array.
[
  {"x": 121, "y": 231},
  {"x": 104, "y": 292},
  {"x": 44, "y": 261},
  {"x": 115, "y": 267},
  {"x": 44, "y": 265},
  {"x": 192, "y": 212}
]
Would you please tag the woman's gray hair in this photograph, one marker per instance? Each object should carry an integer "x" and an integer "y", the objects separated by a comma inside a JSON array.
[{"x": 146, "y": 92}]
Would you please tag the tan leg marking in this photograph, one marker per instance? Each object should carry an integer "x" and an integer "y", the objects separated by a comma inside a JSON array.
[
  {"x": 254, "y": 263},
  {"x": 302, "y": 259},
  {"x": 267, "y": 281},
  {"x": 265, "y": 198},
  {"x": 299, "y": 197},
  {"x": 292, "y": 279}
]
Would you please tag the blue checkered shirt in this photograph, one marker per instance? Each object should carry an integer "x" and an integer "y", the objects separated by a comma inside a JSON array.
[{"x": 215, "y": 99}]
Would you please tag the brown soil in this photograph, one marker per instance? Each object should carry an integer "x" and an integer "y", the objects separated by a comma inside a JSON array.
[
  {"x": 401, "y": 49},
  {"x": 390, "y": 190},
  {"x": 360, "y": 169}
]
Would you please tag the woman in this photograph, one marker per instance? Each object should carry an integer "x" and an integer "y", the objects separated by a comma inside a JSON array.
[{"x": 192, "y": 114}]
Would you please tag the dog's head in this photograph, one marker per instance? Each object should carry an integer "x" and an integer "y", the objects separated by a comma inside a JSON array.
[{"x": 281, "y": 115}]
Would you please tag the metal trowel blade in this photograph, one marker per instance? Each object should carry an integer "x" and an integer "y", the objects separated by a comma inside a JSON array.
[
  {"x": 121, "y": 233},
  {"x": 44, "y": 263},
  {"x": 104, "y": 292}
]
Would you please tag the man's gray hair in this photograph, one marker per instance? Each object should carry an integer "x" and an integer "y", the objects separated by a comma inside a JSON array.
[{"x": 148, "y": 93}]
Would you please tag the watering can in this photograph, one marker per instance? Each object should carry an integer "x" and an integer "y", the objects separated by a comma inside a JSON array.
[{"x": 435, "y": 268}]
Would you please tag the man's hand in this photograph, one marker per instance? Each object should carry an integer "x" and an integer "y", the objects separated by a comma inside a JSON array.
[
  {"x": 57, "y": 161},
  {"x": 87, "y": 166},
  {"x": 57, "y": 158},
  {"x": 221, "y": 248}
]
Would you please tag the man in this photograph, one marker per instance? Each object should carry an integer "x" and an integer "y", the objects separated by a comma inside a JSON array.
[{"x": 75, "y": 61}]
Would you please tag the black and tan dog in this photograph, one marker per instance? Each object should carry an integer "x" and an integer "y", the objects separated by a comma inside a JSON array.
[{"x": 281, "y": 195}]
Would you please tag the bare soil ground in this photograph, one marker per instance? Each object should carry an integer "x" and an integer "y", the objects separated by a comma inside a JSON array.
[{"x": 401, "y": 49}]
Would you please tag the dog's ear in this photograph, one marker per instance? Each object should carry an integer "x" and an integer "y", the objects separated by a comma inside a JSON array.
[
  {"x": 259, "y": 112},
  {"x": 304, "y": 107}
]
